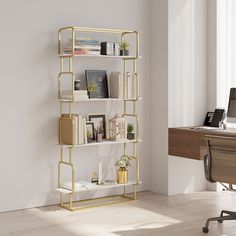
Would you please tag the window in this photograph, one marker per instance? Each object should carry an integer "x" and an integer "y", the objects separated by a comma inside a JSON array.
[{"x": 226, "y": 50}]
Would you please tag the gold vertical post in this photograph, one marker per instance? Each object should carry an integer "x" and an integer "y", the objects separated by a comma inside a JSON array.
[
  {"x": 61, "y": 152},
  {"x": 61, "y": 64},
  {"x": 61, "y": 108},
  {"x": 70, "y": 64},
  {"x": 133, "y": 78},
  {"x": 70, "y": 201},
  {"x": 135, "y": 192},
  {"x": 70, "y": 158},
  {"x": 61, "y": 199},
  {"x": 59, "y": 41},
  {"x": 59, "y": 175},
  {"x": 73, "y": 171},
  {"x": 73, "y": 41},
  {"x": 70, "y": 108}
]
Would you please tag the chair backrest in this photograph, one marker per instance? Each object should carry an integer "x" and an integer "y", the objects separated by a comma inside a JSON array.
[{"x": 222, "y": 158}]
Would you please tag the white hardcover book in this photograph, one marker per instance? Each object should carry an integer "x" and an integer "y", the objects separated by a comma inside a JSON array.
[
  {"x": 80, "y": 129},
  {"x": 76, "y": 127},
  {"x": 85, "y": 131},
  {"x": 80, "y": 92},
  {"x": 116, "y": 49},
  {"x": 76, "y": 97},
  {"x": 116, "y": 85}
]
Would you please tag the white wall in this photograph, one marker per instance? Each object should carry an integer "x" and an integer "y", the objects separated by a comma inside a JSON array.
[
  {"x": 29, "y": 67},
  {"x": 211, "y": 54},
  {"x": 178, "y": 89},
  {"x": 187, "y": 89},
  {"x": 159, "y": 96}
]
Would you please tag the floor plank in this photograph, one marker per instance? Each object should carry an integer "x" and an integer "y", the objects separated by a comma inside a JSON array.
[{"x": 152, "y": 214}]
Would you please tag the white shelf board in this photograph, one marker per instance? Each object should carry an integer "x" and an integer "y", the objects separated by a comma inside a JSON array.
[
  {"x": 105, "y": 142},
  {"x": 99, "y": 100},
  {"x": 101, "y": 56},
  {"x": 94, "y": 187}
]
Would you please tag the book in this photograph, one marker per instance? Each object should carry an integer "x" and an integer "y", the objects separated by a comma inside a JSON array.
[
  {"x": 79, "y": 49},
  {"x": 68, "y": 129},
  {"x": 72, "y": 130},
  {"x": 78, "y": 95},
  {"x": 116, "y": 49},
  {"x": 85, "y": 41},
  {"x": 85, "y": 130},
  {"x": 76, "y": 92},
  {"x": 80, "y": 130},
  {"x": 116, "y": 85},
  {"x": 76, "y": 52},
  {"x": 88, "y": 46},
  {"x": 107, "y": 48}
]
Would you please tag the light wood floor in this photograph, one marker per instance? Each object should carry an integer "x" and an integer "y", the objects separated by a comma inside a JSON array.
[{"x": 152, "y": 214}]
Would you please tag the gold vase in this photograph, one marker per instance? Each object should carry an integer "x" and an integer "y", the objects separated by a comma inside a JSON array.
[{"x": 122, "y": 175}]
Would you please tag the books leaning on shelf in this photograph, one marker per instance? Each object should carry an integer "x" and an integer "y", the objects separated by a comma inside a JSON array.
[
  {"x": 83, "y": 46},
  {"x": 78, "y": 95},
  {"x": 72, "y": 129},
  {"x": 116, "y": 85},
  {"x": 80, "y": 185}
]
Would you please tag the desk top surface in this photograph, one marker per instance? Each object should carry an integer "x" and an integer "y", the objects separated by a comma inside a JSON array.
[
  {"x": 228, "y": 131},
  {"x": 189, "y": 142}
]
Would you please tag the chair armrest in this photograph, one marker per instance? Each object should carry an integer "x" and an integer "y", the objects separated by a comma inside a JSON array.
[{"x": 207, "y": 168}]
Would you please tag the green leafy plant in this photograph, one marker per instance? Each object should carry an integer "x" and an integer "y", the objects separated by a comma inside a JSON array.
[
  {"x": 124, "y": 45},
  {"x": 125, "y": 161},
  {"x": 130, "y": 128},
  {"x": 92, "y": 87}
]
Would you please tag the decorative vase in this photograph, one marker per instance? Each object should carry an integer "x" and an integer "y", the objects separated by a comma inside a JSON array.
[
  {"x": 124, "y": 52},
  {"x": 122, "y": 175}
]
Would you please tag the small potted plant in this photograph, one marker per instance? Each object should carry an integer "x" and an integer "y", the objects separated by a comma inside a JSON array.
[
  {"x": 130, "y": 133},
  {"x": 93, "y": 89},
  {"x": 122, "y": 173},
  {"x": 124, "y": 48}
]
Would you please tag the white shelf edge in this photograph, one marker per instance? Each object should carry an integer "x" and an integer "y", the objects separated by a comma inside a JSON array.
[
  {"x": 107, "y": 142},
  {"x": 101, "y": 56},
  {"x": 100, "y": 100},
  {"x": 96, "y": 187}
]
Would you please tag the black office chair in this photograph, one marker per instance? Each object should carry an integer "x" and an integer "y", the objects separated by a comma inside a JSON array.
[{"x": 220, "y": 166}]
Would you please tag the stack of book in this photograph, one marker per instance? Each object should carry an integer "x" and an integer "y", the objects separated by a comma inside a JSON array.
[
  {"x": 116, "y": 85},
  {"x": 84, "y": 46},
  {"x": 78, "y": 95},
  {"x": 72, "y": 129}
]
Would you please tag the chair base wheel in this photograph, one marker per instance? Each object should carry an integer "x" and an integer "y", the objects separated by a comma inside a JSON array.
[
  {"x": 205, "y": 230},
  {"x": 220, "y": 221}
]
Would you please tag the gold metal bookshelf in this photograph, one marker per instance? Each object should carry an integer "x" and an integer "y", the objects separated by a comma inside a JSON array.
[{"x": 66, "y": 68}]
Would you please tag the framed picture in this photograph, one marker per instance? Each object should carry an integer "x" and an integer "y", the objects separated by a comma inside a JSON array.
[
  {"x": 90, "y": 131},
  {"x": 208, "y": 119},
  {"x": 99, "y": 122},
  {"x": 96, "y": 81}
]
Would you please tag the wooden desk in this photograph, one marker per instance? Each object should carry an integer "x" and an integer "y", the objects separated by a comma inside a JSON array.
[{"x": 189, "y": 142}]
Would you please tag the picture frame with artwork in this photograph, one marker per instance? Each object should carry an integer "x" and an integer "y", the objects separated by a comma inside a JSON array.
[
  {"x": 96, "y": 82},
  {"x": 90, "y": 131},
  {"x": 99, "y": 122}
]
